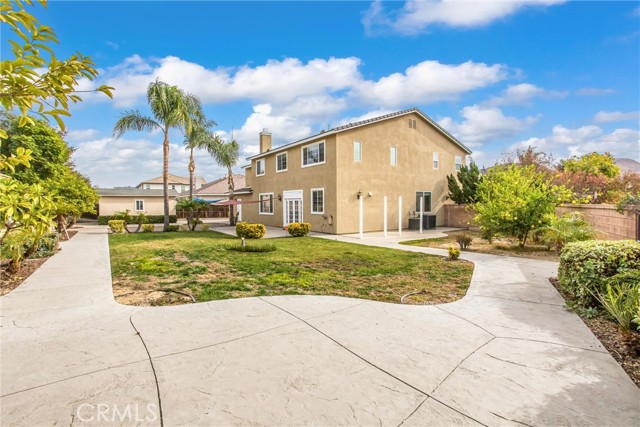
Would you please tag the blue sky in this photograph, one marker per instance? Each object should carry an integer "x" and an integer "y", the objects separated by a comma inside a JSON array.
[{"x": 563, "y": 76}]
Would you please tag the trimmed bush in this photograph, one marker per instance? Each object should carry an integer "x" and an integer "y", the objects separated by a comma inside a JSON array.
[
  {"x": 266, "y": 247},
  {"x": 250, "y": 231},
  {"x": 116, "y": 225},
  {"x": 464, "y": 240},
  {"x": 454, "y": 253},
  {"x": 148, "y": 228},
  {"x": 151, "y": 219},
  {"x": 299, "y": 229},
  {"x": 586, "y": 267},
  {"x": 173, "y": 228}
]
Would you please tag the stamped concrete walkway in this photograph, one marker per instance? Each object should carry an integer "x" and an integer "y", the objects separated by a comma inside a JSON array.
[{"x": 507, "y": 354}]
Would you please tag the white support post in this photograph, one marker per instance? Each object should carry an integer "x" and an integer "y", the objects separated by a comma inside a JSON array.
[
  {"x": 421, "y": 212},
  {"x": 399, "y": 215},
  {"x": 361, "y": 218},
  {"x": 385, "y": 215}
]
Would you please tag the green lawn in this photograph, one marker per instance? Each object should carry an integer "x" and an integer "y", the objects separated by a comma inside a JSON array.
[{"x": 199, "y": 264}]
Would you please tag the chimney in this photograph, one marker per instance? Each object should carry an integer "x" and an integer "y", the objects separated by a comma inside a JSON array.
[{"x": 265, "y": 140}]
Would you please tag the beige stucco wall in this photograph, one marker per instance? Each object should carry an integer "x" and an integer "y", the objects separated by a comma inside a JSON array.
[
  {"x": 109, "y": 205},
  {"x": 342, "y": 177},
  {"x": 295, "y": 178},
  {"x": 414, "y": 172}
]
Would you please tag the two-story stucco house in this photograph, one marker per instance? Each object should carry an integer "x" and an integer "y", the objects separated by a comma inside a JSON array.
[{"x": 321, "y": 179}]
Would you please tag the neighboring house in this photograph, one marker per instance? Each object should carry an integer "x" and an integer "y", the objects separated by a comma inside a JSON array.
[
  {"x": 178, "y": 183},
  {"x": 137, "y": 200},
  {"x": 219, "y": 189},
  {"x": 320, "y": 179}
]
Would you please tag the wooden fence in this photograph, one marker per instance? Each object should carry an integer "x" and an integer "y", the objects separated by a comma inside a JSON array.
[{"x": 609, "y": 224}]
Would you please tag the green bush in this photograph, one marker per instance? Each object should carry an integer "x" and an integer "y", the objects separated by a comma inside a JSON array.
[
  {"x": 148, "y": 228},
  {"x": 173, "y": 228},
  {"x": 622, "y": 300},
  {"x": 46, "y": 246},
  {"x": 250, "y": 231},
  {"x": 299, "y": 229},
  {"x": 454, "y": 253},
  {"x": 116, "y": 225},
  {"x": 586, "y": 267},
  {"x": 266, "y": 247},
  {"x": 464, "y": 240},
  {"x": 151, "y": 219},
  {"x": 570, "y": 227},
  {"x": 205, "y": 227}
]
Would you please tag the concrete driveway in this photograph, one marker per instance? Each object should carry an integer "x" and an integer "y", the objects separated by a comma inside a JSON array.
[{"x": 507, "y": 354}]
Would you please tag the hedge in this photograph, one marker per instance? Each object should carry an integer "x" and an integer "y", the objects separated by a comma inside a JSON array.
[
  {"x": 250, "y": 231},
  {"x": 299, "y": 229},
  {"x": 586, "y": 267},
  {"x": 116, "y": 225},
  {"x": 151, "y": 219}
]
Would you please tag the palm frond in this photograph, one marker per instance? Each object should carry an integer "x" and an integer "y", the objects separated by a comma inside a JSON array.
[{"x": 135, "y": 121}]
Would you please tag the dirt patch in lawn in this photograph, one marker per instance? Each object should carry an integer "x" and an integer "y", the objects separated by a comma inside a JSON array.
[
  {"x": 499, "y": 246},
  {"x": 626, "y": 350},
  {"x": 9, "y": 281}
]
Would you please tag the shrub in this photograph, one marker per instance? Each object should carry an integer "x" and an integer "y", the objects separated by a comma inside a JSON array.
[
  {"x": 47, "y": 246},
  {"x": 151, "y": 219},
  {"x": 116, "y": 225},
  {"x": 586, "y": 267},
  {"x": 173, "y": 228},
  {"x": 299, "y": 229},
  {"x": 250, "y": 231},
  {"x": 568, "y": 228},
  {"x": 205, "y": 227},
  {"x": 148, "y": 228},
  {"x": 454, "y": 253},
  {"x": 266, "y": 247},
  {"x": 622, "y": 302},
  {"x": 464, "y": 240}
]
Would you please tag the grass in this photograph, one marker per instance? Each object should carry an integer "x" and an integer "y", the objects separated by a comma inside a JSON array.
[
  {"x": 499, "y": 246},
  {"x": 201, "y": 264}
]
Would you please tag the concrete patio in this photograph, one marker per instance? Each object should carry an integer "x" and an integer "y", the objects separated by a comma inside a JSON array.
[{"x": 507, "y": 354}]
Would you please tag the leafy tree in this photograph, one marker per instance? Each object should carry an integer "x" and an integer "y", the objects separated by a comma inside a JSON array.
[
  {"x": 464, "y": 189},
  {"x": 515, "y": 200},
  {"x": 592, "y": 164},
  {"x": 73, "y": 196},
  {"x": 125, "y": 216},
  {"x": 31, "y": 82},
  {"x": 195, "y": 208},
  {"x": 543, "y": 162},
  {"x": 170, "y": 108},
  {"x": 226, "y": 154}
]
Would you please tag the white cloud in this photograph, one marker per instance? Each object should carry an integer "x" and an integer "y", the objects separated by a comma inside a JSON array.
[
  {"x": 417, "y": 16},
  {"x": 369, "y": 115},
  {"x": 428, "y": 82},
  {"x": 594, "y": 91},
  {"x": 566, "y": 142},
  {"x": 483, "y": 124},
  {"x": 615, "y": 116},
  {"x": 523, "y": 94},
  {"x": 81, "y": 134},
  {"x": 127, "y": 162}
]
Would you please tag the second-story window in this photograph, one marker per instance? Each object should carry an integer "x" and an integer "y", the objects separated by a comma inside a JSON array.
[
  {"x": 458, "y": 162},
  {"x": 357, "y": 151},
  {"x": 313, "y": 154},
  {"x": 436, "y": 161},
  {"x": 282, "y": 162},
  {"x": 260, "y": 167},
  {"x": 393, "y": 153}
]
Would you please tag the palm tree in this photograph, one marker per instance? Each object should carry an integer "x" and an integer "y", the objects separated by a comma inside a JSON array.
[
  {"x": 196, "y": 138},
  {"x": 226, "y": 154},
  {"x": 170, "y": 108}
]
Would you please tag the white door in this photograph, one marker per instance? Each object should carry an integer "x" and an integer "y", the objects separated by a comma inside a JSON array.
[
  {"x": 292, "y": 207},
  {"x": 239, "y": 210}
]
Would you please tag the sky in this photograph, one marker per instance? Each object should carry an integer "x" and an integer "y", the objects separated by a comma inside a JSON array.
[{"x": 563, "y": 77}]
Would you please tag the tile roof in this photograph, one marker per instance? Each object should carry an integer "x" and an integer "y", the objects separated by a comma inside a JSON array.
[
  {"x": 219, "y": 186},
  {"x": 173, "y": 179},
  {"x": 133, "y": 192}
]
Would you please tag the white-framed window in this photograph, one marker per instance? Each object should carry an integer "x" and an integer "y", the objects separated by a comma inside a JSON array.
[
  {"x": 313, "y": 154},
  {"x": 393, "y": 155},
  {"x": 139, "y": 206},
  {"x": 173, "y": 186},
  {"x": 458, "y": 162},
  {"x": 317, "y": 201},
  {"x": 436, "y": 161},
  {"x": 265, "y": 206},
  {"x": 260, "y": 167},
  {"x": 147, "y": 186},
  {"x": 282, "y": 162},
  {"x": 357, "y": 151}
]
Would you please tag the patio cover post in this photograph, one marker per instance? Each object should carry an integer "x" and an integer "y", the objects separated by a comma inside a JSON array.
[
  {"x": 421, "y": 212},
  {"x": 361, "y": 219},
  {"x": 385, "y": 215},
  {"x": 399, "y": 215}
]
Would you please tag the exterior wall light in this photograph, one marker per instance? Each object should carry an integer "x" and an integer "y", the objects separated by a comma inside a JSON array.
[{"x": 359, "y": 194}]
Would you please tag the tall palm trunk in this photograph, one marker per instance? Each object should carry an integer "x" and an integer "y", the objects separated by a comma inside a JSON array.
[
  {"x": 232, "y": 218},
  {"x": 192, "y": 169},
  {"x": 165, "y": 178}
]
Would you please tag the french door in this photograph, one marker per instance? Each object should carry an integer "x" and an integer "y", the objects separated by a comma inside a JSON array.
[{"x": 292, "y": 205}]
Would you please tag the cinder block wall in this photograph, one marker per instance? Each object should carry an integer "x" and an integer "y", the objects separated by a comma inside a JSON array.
[
  {"x": 609, "y": 223},
  {"x": 460, "y": 216}
]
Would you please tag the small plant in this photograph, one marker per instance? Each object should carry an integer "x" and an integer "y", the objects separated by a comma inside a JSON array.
[
  {"x": 250, "y": 231},
  {"x": 464, "y": 240},
  {"x": 173, "y": 228},
  {"x": 205, "y": 227},
  {"x": 184, "y": 228},
  {"x": 299, "y": 229},
  {"x": 116, "y": 225},
  {"x": 148, "y": 228},
  {"x": 454, "y": 253},
  {"x": 265, "y": 247},
  {"x": 138, "y": 219},
  {"x": 568, "y": 228}
]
